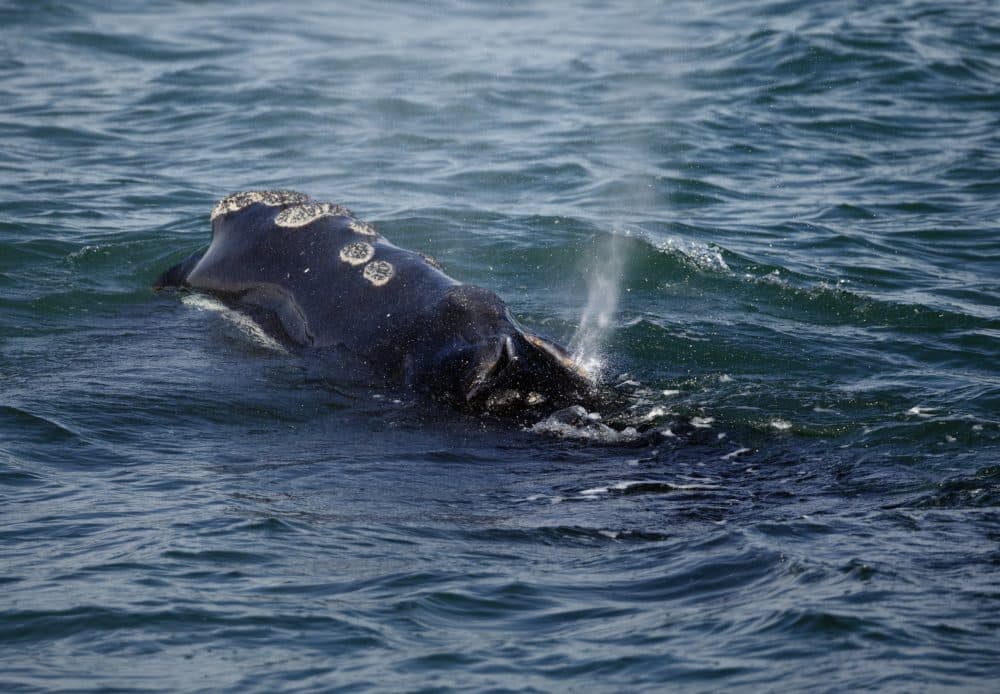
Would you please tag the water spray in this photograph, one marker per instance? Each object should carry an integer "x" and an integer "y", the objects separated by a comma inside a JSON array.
[{"x": 603, "y": 291}]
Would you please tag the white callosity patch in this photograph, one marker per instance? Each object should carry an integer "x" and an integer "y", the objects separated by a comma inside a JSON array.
[
  {"x": 235, "y": 202},
  {"x": 379, "y": 272},
  {"x": 280, "y": 198},
  {"x": 307, "y": 213},
  {"x": 300, "y": 210},
  {"x": 301, "y": 215},
  {"x": 363, "y": 228},
  {"x": 243, "y": 199},
  {"x": 534, "y": 398},
  {"x": 357, "y": 253}
]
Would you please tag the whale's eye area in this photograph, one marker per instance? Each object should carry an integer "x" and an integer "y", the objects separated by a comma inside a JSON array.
[
  {"x": 301, "y": 215},
  {"x": 357, "y": 253},
  {"x": 363, "y": 228},
  {"x": 379, "y": 272},
  {"x": 243, "y": 199}
]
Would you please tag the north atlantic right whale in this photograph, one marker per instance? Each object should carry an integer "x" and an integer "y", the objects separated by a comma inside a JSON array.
[{"x": 324, "y": 279}]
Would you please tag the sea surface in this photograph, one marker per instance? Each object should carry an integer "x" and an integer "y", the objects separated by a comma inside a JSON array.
[{"x": 774, "y": 227}]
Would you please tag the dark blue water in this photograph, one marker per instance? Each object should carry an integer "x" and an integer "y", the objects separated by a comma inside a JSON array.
[{"x": 799, "y": 204}]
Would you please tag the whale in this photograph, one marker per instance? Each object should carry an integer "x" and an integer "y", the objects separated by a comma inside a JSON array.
[{"x": 320, "y": 279}]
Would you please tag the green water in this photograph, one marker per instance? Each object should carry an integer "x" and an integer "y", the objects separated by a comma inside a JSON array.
[{"x": 796, "y": 205}]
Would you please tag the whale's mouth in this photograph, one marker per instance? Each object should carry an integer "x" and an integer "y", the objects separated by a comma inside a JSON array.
[
  {"x": 521, "y": 369},
  {"x": 487, "y": 362},
  {"x": 502, "y": 357}
]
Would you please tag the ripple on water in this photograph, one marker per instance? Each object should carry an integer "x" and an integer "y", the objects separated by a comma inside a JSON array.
[{"x": 806, "y": 329}]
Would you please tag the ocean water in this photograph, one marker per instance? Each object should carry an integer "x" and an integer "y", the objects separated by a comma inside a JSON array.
[{"x": 785, "y": 214}]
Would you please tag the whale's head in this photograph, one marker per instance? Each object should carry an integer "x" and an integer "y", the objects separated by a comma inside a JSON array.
[{"x": 480, "y": 359}]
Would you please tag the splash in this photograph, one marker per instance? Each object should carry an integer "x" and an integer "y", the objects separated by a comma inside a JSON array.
[
  {"x": 603, "y": 291},
  {"x": 700, "y": 255},
  {"x": 575, "y": 422}
]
